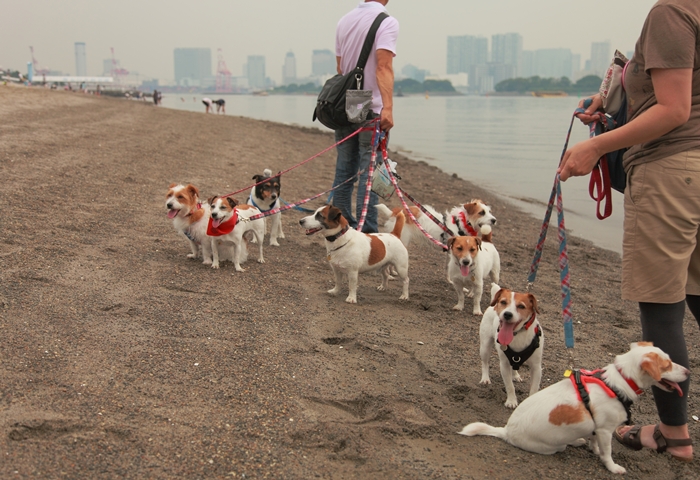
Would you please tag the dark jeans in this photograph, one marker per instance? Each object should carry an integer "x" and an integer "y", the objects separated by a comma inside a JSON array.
[
  {"x": 354, "y": 155},
  {"x": 662, "y": 324}
]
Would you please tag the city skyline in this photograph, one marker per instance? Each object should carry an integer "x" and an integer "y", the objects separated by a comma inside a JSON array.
[{"x": 242, "y": 29}]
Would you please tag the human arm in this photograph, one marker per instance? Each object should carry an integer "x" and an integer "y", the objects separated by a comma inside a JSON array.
[
  {"x": 673, "y": 90},
  {"x": 337, "y": 65},
  {"x": 385, "y": 81}
]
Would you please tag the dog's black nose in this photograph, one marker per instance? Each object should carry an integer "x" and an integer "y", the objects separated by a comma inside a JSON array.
[
  {"x": 493, "y": 222},
  {"x": 213, "y": 215},
  {"x": 169, "y": 205},
  {"x": 301, "y": 222},
  {"x": 507, "y": 315}
]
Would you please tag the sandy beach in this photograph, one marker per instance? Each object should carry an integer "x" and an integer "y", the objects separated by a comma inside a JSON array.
[{"x": 122, "y": 358}]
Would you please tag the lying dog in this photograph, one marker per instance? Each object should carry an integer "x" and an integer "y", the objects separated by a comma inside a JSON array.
[
  {"x": 470, "y": 260},
  {"x": 265, "y": 197},
  {"x": 587, "y": 406},
  {"x": 227, "y": 226},
  {"x": 190, "y": 218},
  {"x": 510, "y": 323},
  {"x": 351, "y": 252}
]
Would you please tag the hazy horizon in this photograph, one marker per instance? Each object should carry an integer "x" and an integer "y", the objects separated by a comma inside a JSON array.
[{"x": 144, "y": 34}]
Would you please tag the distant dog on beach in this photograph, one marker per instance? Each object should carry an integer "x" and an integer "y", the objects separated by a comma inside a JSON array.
[
  {"x": 558, "y": 416},
  {"x": 470, "y": 261},
  {"x": 471, "y": 218},
  {"x": 228, "y": 225},
  {"x": 510, "y": 324},
  {"x": 266, "y": 197},
  {"x": 190, "y": 218},
  {"x": 351, "y": 252}
]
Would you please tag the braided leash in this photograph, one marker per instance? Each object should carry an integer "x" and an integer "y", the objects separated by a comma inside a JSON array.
[
  {"x": 427, "y": 212},
  {"x": 377, "y": 138}
]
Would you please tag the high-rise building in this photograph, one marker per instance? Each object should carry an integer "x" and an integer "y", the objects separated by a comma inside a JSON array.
[
  {"x": 527, "y": 65},
  {"x": 323, "y": 62},
  {"x": 289, "y": 70},
  {"x": 80, "y": 59},
  {"x": 256, "y": 72},
  {"x": 600, "y": 57},
  {"x": 192, "y": 66},
  {"x": 507, "y": 49},
  {"x": 414, "y": 73},
  {"x": 466, "y": 51},
  {"x": 553, "y": 63}
]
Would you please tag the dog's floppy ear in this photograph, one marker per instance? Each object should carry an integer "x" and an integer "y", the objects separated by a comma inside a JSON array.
[
  {"x": 450, "y": 241},
  {"x": 231, "y": 201},
  {"x": 534, "y": 302},
  {"x": 641, "y": 344},
  {"x": 193, "y": 190},
  {"x": 258, "y": 178},
  {"x": 334, "y": 213},
  {"x": 210, "y": 200},
  {"x": 497, "y": 297},
  {"x": 651, "y": 366},
  {"x": 471, "y": 208},
  {"x": 478, "y": 242},
  {"x": 172, "y": 185}
]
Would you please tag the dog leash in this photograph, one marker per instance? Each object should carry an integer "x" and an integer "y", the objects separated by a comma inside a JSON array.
[
  {"x": 427, "y": 212},
  {"x": 378, "y": 140},
  {"x": 599, "y": 187},
  {"x": 563, "y": 256},
  {"x": 356, "y": 132}
]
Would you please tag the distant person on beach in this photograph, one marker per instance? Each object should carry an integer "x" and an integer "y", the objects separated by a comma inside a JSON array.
[
  {"x": 155, "y": 97},
  {"x": 354, "y": 154},
  {"x": 220, "y": 106},
  {"x": 660, "y": 248},
  {"x": 207, "y": 104}
]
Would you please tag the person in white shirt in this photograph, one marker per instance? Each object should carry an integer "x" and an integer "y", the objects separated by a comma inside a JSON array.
[
  {"x": 355, "y": 153},
  {"x": 207, "y": 104}
]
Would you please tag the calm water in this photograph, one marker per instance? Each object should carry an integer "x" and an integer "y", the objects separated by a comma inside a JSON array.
[{"x": 509, "y": 145}]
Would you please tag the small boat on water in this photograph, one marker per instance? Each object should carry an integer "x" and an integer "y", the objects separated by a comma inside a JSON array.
[{"x": 545, "y": 94}]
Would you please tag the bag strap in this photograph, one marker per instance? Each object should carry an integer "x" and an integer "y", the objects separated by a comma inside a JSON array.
[{"x": 369, "y": 41}]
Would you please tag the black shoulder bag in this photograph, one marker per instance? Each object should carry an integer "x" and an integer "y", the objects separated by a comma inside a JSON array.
[{"x": 331, "y": 106}]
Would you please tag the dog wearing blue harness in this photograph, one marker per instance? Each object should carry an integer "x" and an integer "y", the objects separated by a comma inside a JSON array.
[{"x": 266, "y": 197}]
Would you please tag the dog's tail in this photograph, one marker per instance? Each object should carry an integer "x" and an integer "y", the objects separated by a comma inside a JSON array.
[
  {"x": 479, "y": 428},
  {"x": 398, "y": 226},
  {"x": 384, "y": 213},
  {"x": 267, "y": 173}
]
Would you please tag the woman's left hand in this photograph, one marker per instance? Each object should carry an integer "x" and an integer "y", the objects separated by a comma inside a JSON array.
[{"x": 579, "y": 160}]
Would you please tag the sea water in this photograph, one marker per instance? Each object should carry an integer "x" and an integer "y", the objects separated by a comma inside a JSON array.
[{"x": 508, "y": 145}]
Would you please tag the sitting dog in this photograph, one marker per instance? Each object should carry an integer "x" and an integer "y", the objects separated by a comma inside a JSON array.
[
  {"x": 510, "y": 323},
  {"x": 351, "y": 252},
  {"x": 265, "y": 197},
  {"x": 470, "y": 260},
  {"x": 190, "y": 218},
  {"x": 587, "y": 405},
  {"x": 227, "y": 226}
]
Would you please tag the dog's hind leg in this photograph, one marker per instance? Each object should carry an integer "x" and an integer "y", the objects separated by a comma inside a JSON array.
[
  {"x": 385, "y": 277},
  {"x": 214, "y": 252},
  {"x": 352, "y": 284},
  {"x": 478, "y": 291},
  {"x": 276, "y": 229},
  {"x": 260, "y": 235},
  {"x": 194, "y": 248},
  {"x": 403, "y": 275}
]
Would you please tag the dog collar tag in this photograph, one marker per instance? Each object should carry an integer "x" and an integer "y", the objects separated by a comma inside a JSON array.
[
  {"x": 567, "y": 373},
  {"x": 503, "y": 347}
]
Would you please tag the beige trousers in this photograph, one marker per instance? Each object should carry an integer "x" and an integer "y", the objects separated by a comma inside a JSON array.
[{"x": 660, "y": 254}]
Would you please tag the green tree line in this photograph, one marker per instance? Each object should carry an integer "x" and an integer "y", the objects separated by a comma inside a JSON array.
[{"x": 587, "y": 84}]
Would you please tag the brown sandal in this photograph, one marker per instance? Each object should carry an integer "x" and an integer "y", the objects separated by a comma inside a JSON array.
[{"x": 633, "y": 439}]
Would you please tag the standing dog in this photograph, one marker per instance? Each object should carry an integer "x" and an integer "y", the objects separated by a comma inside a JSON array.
[
  {"x": 351, "y": 252},
  {"x": 471, "y": 219},
  {"x": 190, "y": 218},
  {"x": 510, "y": 323},
  {"x": 470, "y": 260},
  {"x": 228, "y": 225},
  {"x": 560, "y": 415},
  {"x": 265, "y": 197}
]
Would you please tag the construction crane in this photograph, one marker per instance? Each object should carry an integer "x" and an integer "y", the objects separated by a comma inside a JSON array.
[
  {"x": 117, "y": 72},
  {"x": 35, "y": 64},
  {"x": 223, "y": 76}
]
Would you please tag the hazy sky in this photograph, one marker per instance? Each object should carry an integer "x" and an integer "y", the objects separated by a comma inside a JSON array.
[{"x": 145, "y": 32}]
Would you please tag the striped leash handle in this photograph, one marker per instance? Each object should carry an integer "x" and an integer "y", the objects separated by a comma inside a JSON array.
[{"x": 378, "y": 138}]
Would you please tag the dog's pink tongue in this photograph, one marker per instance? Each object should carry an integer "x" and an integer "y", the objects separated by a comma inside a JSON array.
[
  {"x": 215, "y": 222},
  {"x": 505, "y": 334},
  {"x": 172, "y": 213},
  {"x": 674, "y": 386},
  {"x": 464, "y": 269}
]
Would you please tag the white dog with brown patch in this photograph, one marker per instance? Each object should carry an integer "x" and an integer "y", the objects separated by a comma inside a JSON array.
[
  {"x": 470, "y": 261},
  {"x": 190, "y": 218},
  {"x": 510, "y": 323},
  {"x": 227, "y": 225},
  {"x": 351, "y": 252},
  {"x": 587, "y": 406}
]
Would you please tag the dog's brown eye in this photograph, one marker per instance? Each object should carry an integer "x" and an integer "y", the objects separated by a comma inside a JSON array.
[
  {"x": 482, "y": 213},
  {"x": 521, "y": 307},
  {"x": 472, "y": 249},
  {"x": 180, "y": 197},
  {"x": 503, "y": 302}
]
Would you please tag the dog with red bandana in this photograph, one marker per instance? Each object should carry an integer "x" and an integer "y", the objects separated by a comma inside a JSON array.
[{"x": 227, "y": 227}]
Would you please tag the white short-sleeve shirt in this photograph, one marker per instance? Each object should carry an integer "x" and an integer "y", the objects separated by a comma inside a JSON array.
[{"x": 350, "y": 36}]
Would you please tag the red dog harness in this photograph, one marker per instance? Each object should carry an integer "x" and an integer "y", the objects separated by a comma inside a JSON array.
[
  {"x": 580, "y": 379},
  {"x": 223, "y": 228}
]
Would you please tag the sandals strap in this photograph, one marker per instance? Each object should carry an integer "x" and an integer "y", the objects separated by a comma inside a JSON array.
[{"x": 663, "y": 443}]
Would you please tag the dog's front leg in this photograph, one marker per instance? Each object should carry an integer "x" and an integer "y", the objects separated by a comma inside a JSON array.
[
  {"x": 535, "y": 371},
  {"x": 478, "y": 290},
  {"x": 338, "y": 280},
  {"x": 460, "y": 295},
  {"x": 604, "y": 436},
  {"x": 206, "y": 251},
  {"x": 214, "y": 252},
  {"x": 194, "y": 248},
  {"x": 237, "y": 255},
  {"x": 507, "y": 374},
  {"x": 261, "y": 237},
  {"x": 276, "y": 230},
  {"x": 352, "y": 285}
]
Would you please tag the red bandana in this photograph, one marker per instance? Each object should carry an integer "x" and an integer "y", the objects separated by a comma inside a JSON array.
[{"x": 223, "y": 228}]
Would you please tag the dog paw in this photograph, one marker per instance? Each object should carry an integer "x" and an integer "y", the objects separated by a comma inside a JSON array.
[
  {"x": 215, "y": 265},
  {"x": 333, "y": 291},
  {"x": 274, "y": 244},
  {"x": 485, "y": 381},
  {"x": 517, "y": 377},
  {"x": 351, "y": 299},
  {"x": 458, "y": 307},
  {"x": 511, "y": 403},
  {"x": 253, "y": 240},
  {"x": 192, "y": 255},
  {"x": 391, "y": 278},
  {"x": 261, "y": 260},
  {"x": 403, "y": 297},
  {"x": 207, "y": 261},
  {"x": 281, "y": 235},
  {"x": 477, "y": 312},
  {"x": 615, "y": 468},
  {"x": 381, "y": 288},
  {"x": 240, "y": 269}
]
